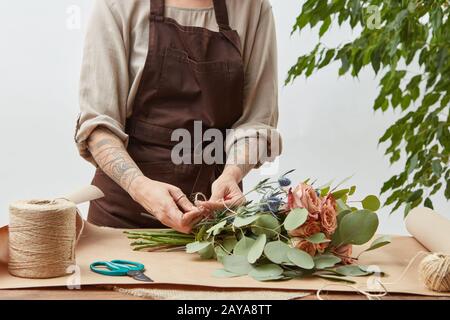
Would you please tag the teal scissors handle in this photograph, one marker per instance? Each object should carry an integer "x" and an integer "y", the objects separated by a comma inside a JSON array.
[{"x": 116, "y": 267}]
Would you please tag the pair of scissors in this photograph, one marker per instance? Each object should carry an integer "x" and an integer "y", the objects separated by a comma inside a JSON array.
[{"x": 121, "y": 268}]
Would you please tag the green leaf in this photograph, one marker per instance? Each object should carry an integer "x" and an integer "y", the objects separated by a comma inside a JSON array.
[
  {"x": 222, "y": 273},
  {"x": 407, "y": 209},
  {"x": 266, "y": 272},
  {"x": 358, "y": 227},
  {"x": 352, "y": 271},
  {"x": 243, "y": 246},
  {"x": 371, "y": 203},
  {"x": 276, "y": 251},
  {"x": 325, "y": 26},
  {"x": 413, "y": 163},
  {"x": 197, "y": 246},
  {"x": 437, "y": 167},
  {"x": 318, "y": 238},
  {"x": 341, "y": 206},
  {"x": 300, "y": 258},
  {"x": 220, "y": 253},
  {"x": 352, "y": 191},
  {"x": 217, "y": 228},
  {"x": 379, "y": 242},
  {"x": 335, "y": 278},
  {"x": 340, "y": 193},
  {"x": 296, "y": 218},
  {"x": 428, "y": 203},
  {"x": 207, "y": 253},
  {"x": 229, "y": 243},
  {"x": 266, "y": 224},
  {"x": 415, "y": 196},
  {"x": 326, "y": 261},
  {"x": 240, "y": 222},
  {"x": 237, "y": 265},
  {"x": 257, "y": 249}
]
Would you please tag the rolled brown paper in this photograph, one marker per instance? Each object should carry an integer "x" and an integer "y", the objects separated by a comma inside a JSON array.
[{"x": 432, "y": 230}]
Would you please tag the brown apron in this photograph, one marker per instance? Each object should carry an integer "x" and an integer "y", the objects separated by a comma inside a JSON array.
[{"x": 191, "y": 74}]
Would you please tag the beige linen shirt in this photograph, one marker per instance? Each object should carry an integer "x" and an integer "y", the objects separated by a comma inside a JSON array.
[{"x": 116, "y": 48}]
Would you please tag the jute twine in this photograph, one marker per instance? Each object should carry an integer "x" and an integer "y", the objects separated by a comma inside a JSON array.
[
  {"x": 42, "y": 238},
  {"x": 434, "y": 271}
]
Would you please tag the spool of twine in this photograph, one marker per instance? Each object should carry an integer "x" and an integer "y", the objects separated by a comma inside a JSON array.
[
  {"x": 42, "y": 236},
  {"x": 434, "y": 271}
]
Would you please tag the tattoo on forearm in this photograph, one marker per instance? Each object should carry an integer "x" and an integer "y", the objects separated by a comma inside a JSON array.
[{"x": 114, "y": 160}]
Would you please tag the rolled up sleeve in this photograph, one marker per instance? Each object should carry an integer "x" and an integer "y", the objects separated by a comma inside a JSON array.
[
  {"x": 104, "y": 82},
  {"x": 257, "y": 128}
]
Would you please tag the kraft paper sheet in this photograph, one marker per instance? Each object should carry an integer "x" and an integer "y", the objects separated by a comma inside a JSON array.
[{"x": 181, "y": 269}]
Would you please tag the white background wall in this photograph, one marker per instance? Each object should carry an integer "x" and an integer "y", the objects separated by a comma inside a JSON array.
[{"x": 329, "y": 128}]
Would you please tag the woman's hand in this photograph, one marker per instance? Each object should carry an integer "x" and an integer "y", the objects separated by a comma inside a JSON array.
[
  {"x": 167, "y": 203},
  {"x": 225, "y": 191}
]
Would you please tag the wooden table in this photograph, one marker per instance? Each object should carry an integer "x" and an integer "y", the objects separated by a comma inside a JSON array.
[{"x": 98, "y": 293}]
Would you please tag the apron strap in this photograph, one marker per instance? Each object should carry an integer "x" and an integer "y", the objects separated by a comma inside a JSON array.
[
  {"x": 157, "y": 8},
  {"x": 220, "y": 7}
]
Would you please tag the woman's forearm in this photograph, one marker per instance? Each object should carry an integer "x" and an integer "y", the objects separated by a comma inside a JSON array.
[
  {"x": 240, "y": 161},
  {"x": 112, "y": 157}
]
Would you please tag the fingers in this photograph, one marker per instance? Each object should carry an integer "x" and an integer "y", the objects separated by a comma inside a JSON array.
[
  {"x": 181, "y": 199},
  {"x": 177, "y": 220},
  {"x": 193, "y": 217},
  {"x": 235, "y": 201}
]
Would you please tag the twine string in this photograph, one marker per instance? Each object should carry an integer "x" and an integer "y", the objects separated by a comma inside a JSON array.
[{"x": 42, "y": 238}]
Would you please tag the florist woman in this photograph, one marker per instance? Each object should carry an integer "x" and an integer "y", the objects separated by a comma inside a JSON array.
[{"x": 151, "y": 67}]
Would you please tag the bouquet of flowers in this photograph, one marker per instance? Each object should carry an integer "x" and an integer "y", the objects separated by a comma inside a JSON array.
[{"x": 290, "y": 232}]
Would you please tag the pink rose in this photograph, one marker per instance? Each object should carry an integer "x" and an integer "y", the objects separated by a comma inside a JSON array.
[
  {"x": 345, "y": 253},
  {"x": 321, "y": 247},
  {"x": 328, "y": 216},
  {"x": 309, "y": 228},
  {"x": 304, "y": 196},
  {"x": 306, "y": 246}
]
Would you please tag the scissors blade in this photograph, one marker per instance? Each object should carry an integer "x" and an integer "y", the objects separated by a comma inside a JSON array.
[{"x": 139, "y": 276}]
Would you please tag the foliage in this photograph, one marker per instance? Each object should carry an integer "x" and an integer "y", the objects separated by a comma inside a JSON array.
[
  {"x": 289, "y": 233},
  {"x": 393, "y": 37}
]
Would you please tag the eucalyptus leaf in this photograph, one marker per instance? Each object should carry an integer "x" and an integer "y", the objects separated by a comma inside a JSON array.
[
  {"x": 371, "y": 203},
  {"x": 341, "y": 206},
  {"x": 340, "y": 193},
  {"x": 276, "y": 251},
  {"x": 229, "y": 243},
  {"x": 197, "y": 246},
  {"x": 257, "y": 248},
  {"x": 240, "y": 222},
  {"x": 271, "y": 278},
  {"x": 335, "y": 278},
  {"x": 220, "y": 253},
  {"x": 358, "y": 227},
  {"x": 236, "y": 264},
  {"x": 379, "y": 242},
  {"x": 243, "y": 246},
  {"x": 207, "y": 253},
  {"x": 324, "y": 191},
  {"x": 217, "y": 228},
  {"x": 326, "y": 261},
  {"x": 318, "y": 238},
  {"x": 300, "y": 258},
  {"x": 266, "y": 271},
  {"x": 352, "y": 271},
  {"x": 266, "y": 224},
  {"x": 222, "y": 273},
  {"x": 295, "y": 219}
]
